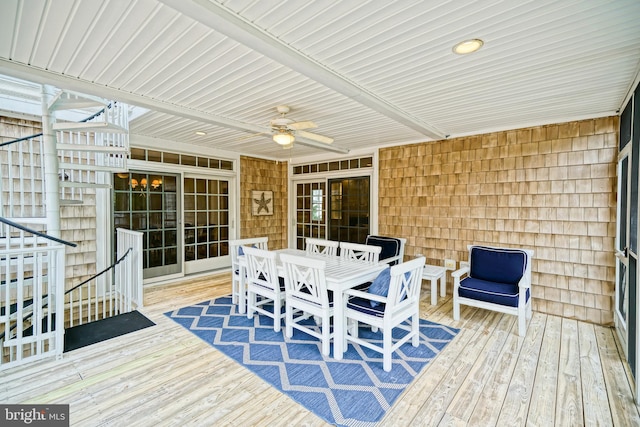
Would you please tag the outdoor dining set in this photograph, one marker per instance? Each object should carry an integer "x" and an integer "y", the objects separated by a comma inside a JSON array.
[{"x": 330, "y": 288}]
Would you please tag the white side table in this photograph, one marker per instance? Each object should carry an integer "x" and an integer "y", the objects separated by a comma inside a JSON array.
[{"x": 433, "y": 273}]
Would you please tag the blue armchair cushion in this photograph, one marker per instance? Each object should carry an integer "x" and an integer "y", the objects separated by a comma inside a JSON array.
[
  {"x": 493, "y": 292},
  {"x": 363, "y": 305},
  {"x": 390, "y": 246},
  {"x": 505, "y": 266},
  {"x": 380, "y": 285}
]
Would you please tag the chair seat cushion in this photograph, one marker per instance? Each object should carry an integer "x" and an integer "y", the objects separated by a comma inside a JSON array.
[
  {"x": 493, "y": 292},
  {"x": 280, "y": 280},
  {"x": 363, "y": 305},
  {"x": 309, "y": 300},
  {"x": 364, "y": 287}
]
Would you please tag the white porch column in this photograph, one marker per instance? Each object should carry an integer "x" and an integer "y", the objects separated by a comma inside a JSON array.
[{"x": 51, "y": 184}]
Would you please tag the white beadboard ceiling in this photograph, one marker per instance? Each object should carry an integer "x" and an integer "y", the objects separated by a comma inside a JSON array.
[{"x": 369, "y": 73}]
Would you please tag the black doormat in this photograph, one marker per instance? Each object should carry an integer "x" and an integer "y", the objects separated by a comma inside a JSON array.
[{"x": 101, "y": 330}]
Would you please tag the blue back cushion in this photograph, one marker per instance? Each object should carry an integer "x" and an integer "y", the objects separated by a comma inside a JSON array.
[
  {"x": 498, "y": 265},
  {"x": 241, "y": 251},
  {"x": 390, "y": 246},
  {"x": 380, "y": 285}
]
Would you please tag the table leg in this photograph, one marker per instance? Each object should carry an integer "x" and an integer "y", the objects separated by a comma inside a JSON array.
[
  {"x": 242, "y": 291},
  {"x": 434, "y": 291},
  {"x": 338, "y": 325},
  {"x": 443, "y": 285}
]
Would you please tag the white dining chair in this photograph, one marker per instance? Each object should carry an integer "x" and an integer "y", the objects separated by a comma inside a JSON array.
[
  {"x": 395, "y": 304},
  {"x": 306, "y": 296},
  {"x": 235, "y": 249},
  {"x": 359, "y": 252},
  {"x": 264, "y": 287},
  {"x": 321, "y": 246}
]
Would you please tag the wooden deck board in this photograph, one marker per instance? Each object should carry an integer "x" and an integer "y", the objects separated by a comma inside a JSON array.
[
  {"x": 562, "y": 372},
  {"x": 569, "y": 393}
]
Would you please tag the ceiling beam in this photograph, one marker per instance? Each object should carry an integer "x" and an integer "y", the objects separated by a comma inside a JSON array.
[
  {"x": 41, "y": 76},
  {"x": 222, "y": 20}
]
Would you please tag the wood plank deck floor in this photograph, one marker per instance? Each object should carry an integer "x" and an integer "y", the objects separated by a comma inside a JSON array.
[{"x": 562, "y": 373}]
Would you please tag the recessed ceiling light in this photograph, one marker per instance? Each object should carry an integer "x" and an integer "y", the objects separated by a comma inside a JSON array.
[
  {"x": 200, "y": 133},
  {"x": 467, "y": 46}
]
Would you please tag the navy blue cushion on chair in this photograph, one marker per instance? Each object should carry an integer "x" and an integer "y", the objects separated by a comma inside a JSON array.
[
  {"x": 493, "y": 292},
  {"x": 390, "y": 246},
  {"x": 498, "y": 265},
  {"x": 365, "y": 306},
  {"x": 380, "y": 285}
]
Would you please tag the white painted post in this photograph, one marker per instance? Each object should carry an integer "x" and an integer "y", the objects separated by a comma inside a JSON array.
[{"x": 50, "y": 154}]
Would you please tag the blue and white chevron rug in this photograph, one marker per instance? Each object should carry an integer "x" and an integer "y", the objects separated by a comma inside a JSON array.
[{"x": 355, "y": 391}]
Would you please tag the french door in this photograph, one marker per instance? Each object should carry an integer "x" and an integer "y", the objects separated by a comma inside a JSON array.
[
  {"x": 627, "y": 250},
  {"x": 207, "y": 215},
  {"x": 335, "y": 209},
  {"x": 148, "y": 202}
]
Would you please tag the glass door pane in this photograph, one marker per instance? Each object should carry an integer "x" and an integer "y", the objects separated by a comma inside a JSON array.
[
  {"x": 148, "y": 203},
  {"x": 622, "y": 251},
  {"x": 206, "y": 223},
  {"x": 349, "y": 209},
  {"x": 311, "y": 211}
]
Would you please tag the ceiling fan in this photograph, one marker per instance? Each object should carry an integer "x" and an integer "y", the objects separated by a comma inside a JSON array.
[{"x": 285, "y": 130}]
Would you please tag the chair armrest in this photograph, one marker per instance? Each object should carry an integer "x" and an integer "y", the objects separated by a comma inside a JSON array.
[
  {"x": 391, "y": 259},
  {"x": 460, "y": 272},
  {"x": 524, "y": 283},
  {"x": 365, "y": 295}
]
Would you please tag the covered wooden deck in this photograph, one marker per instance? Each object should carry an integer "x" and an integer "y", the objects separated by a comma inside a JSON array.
[{"x": 563, "y": 373}]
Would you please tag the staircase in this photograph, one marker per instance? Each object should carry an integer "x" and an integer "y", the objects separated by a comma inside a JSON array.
[{"x": 44, "y": 178}]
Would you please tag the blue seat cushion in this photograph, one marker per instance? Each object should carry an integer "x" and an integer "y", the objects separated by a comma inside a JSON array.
[
  {"x": 280, "y": 280},
  {"x": 493, "y": 292},
  {"x": 380, "y": 285},
  {"x": 306, "y": 291},
  {"x": 364, "y": 287},
  {"x": 497, "y": 265},
  {"x": 364, "y": 305},
  {"x": 390, "y": 246}
]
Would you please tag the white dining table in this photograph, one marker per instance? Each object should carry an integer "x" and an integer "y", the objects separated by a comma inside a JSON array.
[{"x": 341, "y": 274}]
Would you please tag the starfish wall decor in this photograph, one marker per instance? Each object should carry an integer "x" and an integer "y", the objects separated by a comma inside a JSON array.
[{"x": 262, "y": 202}]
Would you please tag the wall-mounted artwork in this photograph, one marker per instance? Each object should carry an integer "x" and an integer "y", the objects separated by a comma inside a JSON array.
[{"x": 262, "y": 202}]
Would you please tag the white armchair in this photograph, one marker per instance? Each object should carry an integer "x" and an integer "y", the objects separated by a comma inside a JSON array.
[
  {"x": 387, "y": 308},
  {"x": 497, "y": 279},
  {"x": 264, "y": 286},
  {"x": 306, "y": 296},
  {"x": 238, "y": 276},
  {"x": 321, "y": 246},
  {"x": 360, "y": 252}
]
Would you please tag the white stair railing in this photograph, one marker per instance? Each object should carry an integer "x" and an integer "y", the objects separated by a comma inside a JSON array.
[
  {"x": 21, "y": 179},
  {"x": 91, "y": 148},
  {"x": 31, "y": 295},
  {"x": 128, "y": 274},
  {"x": 91, "y": 300}
]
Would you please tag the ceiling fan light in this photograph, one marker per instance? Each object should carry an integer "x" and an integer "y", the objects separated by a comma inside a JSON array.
[{"x": 283, "y": 138}]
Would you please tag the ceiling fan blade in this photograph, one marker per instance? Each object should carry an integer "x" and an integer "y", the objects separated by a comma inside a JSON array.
[
  {"x": 302, "y": 125},
  {"x": 314, "y": 136}
]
